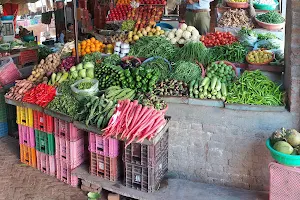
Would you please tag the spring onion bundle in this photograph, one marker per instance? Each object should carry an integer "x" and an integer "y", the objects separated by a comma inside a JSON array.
[{"x": 193, "y": 51}]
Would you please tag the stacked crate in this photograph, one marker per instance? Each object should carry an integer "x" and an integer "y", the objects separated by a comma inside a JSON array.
[
  {"x": 45, "y": 142},
  {"x": 26, "y": 136},
  {"x": 146, "y": 165},
  {"x": 3, "y": 116},
  {"x": 104, "y": 157},
  {"x": 70, "y": 152}
]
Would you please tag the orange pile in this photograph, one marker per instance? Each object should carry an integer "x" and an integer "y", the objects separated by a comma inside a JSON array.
[
  {"x": 89, "y": 46},
  {"x": 123, "y": 2}
]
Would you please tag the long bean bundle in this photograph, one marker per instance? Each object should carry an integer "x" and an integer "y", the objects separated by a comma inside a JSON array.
[
  {"x": 193, "y": 51},
  {"x": 186, "y": 71},
  {"x": 147, "y": 47},
  {"x": 254, "y": 88}
]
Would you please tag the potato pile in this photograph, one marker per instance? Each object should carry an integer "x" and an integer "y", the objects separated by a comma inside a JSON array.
[{"x": 50, "y": 64}]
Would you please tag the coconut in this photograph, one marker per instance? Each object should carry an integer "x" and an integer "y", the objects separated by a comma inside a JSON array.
[
  {"x": 277, "y": 136},
  {"x": 283, "y": 147},
  {"x": 293, "y": 137}
]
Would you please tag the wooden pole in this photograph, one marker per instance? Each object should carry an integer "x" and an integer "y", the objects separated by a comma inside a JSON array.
[{"x": 75, "y": 29}]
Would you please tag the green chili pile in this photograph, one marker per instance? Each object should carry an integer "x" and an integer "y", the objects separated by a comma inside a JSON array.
[
  {"x": 147, "y": 47},
  {"x": 254, "y": 88},
  {"x": 271, "y": 17},
  {"x": 235, "y": 52}
]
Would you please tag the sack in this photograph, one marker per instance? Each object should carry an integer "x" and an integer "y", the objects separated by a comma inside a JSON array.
[
  {"x": 81, "y": 94},
  {"x": 248, "y": 40}
]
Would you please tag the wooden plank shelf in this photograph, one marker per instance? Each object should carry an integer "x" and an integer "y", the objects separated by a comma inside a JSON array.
[
  {"x": 58, "y": 115},
  {"x": 14, "y": 102},
  {"x": 259, "y": 108}
]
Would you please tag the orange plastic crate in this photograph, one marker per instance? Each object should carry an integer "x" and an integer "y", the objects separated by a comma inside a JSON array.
[
  {"x": 43, "y": 122},
  {"x": 28, "y": 155}
]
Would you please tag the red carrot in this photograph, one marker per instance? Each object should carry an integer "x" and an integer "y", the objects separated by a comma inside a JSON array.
[
  {"x": 122, "y": 116},
  {"x": 157, "y": 125}
]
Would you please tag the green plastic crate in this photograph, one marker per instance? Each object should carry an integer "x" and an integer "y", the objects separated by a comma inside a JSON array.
[
  {"x": 44, "y": 142},
  {"x": 3, "y": 107},
  {"x": 285, "y": 159}
]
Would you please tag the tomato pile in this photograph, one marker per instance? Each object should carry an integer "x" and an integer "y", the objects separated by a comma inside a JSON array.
[{"x": 218, "y": 38}]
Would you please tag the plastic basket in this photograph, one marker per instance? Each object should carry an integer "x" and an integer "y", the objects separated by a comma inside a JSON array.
[
  {"x": 43, "y": 122},
  {"x": 229, "y": 64},
  {"x": 44, "y": 142},
  {"x": 26, "y": 136},
  {"x": 46, "y": 163},
  {"x": 64, "y": 173},
  {"x": 28, "y": 56},
  {"x": 9, "y": 72},
  {"x": 289, "y": 160},
  {"x": 24, "y": 116},
  {"x": 71, "y": 153},
  {"x": 145, "y": 179},
  {"x": 67, "y": 130},
  {"x": 237, "y": 4},
  {"x": 146, "y": 155},
  {"x": 3, "y": 129},
  {"x": 284, "y": 182},
  {"x": 265, "y": 63},
  {"x": 105, "y": 167},
  {"x": 265, "y": 6},
  {"x": 28, "y": 155},
  {"x": 157, "y": 57},
  {"x": 106, "y": 147}
]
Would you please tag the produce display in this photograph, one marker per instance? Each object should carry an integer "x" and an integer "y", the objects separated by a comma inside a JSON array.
[
  {"x": 17, "y": 92},
  {"x": 148, "y": 31},
  {"x": 186, "y": 71},
  {"x": 193, "y": 51},
  {"x": 133, "y": 121},
  {"x": 43, "y": 52},
  {"x": 259, "y": 57},
  {"x": 247, "y": 36},
  {"x": 148, "y": 47},
  {"x": 208, "y": 88},
  {"x": 119, "y": 12},
  {"x": 223, "y": 71},
  {"x": 65, "y": 104},
  {"x": 49, "y": 65},
  {"x": 41, "y": 95},
  {"x": 109, "y": 75},
  {"x": 89, "y": 46},
  {"x": 115, "y": 38},
  {"x": 254, "y": 88},
  {"x": 235, "y": 18},
  {"x": 235, "y": 53},
  {"x": 271, "y": 17},
  {"x": 116, "y": 93},
  {"x": 128, "y": 25},
  {"x": 93, "y": 57},
  {"x": 159, "y": 64},
  {"x": 286, "y": 141},
  {"x": 171, "y": 87},
  {"x": 183, "y": 35},
  {"x": 68, "y": 62},
  {"x": 266, "y": 36},
  {"x": 151, "y": 100},
  {"x": 218, "y": 38}
]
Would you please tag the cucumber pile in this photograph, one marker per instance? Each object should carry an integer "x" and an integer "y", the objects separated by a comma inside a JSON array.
[
  {"x": 223, "y": 72},
  {"x": 208, "y": 89},
  {"x": 97, "y": 112},
  {"x": 116, "y": 93},
  {"x": 109, "y": 75}
]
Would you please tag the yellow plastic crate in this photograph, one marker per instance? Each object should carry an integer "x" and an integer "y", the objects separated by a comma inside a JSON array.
[
  {"x": 24, "y": 116},
  {"x": 28, "y": 155}
]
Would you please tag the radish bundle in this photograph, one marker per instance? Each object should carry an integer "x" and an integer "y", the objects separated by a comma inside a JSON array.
[{"x": 133, "y": 120}]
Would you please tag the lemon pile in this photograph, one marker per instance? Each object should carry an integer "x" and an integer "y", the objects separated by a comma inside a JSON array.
[{"x": 259, "y": 56}]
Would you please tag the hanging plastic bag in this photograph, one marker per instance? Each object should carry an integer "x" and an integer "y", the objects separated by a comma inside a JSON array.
[
  {"x": 82, "y": 93},
  {"x": 247, "y": 36},
  {"x": 271, "y": 44}
]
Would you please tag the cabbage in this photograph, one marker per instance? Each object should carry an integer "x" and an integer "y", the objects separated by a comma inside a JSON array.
[
  {"x": 73, "y": 68},
  {"x": 74, "y": 74},
  {"x": 88, "y": 65},
  {"x": 93, "y": 195},
  {"x": 79, "y": 66},
  {"x": 90, "y": 73},
  {"x": 82, "y": 73}
]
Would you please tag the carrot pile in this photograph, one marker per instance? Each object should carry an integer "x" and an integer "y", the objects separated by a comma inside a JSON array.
[
  {"x": 132, "y": 120},
  {"x": 17, "y": 92},
  {"x": 41, "y": 95}
]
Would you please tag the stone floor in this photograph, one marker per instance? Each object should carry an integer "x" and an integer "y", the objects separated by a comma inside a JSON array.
[
  {"x": 26, "y": 183},
  {"x": 19, "y": 182}
]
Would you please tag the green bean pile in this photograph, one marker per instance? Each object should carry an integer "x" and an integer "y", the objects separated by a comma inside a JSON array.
[
  {"x": 147, "y": 47},
  {"x": 193, "y": 51},
  {"x": 254, "y": 88},
  {"x": 271, "y": 17},
  {"x": 186, "y": 71}
]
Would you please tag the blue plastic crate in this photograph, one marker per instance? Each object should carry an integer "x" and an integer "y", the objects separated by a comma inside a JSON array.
[{"x": 3, "y": 129}]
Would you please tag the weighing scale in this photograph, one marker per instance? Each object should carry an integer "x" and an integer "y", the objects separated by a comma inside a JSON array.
[{"x": 8, "y": 30}]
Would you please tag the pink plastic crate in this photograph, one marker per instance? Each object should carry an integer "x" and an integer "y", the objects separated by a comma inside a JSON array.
[
  {"x": 67, "y": 130},
  {"x": 46, "y": 163},
  {"x": 26, "y": 136},
  {"x": 64, "y": 173},
  {"x": 71, "y": 153},
  {"x": 9, "y": 72},
  {"x": 105, "y": 147},
  {"x": 284, "y": 182}
]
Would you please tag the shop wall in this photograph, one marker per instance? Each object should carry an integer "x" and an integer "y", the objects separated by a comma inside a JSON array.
[{"x": 222, "y": 146}]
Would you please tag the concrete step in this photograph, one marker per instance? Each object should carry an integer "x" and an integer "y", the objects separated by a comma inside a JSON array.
[{"x": 172, "y": 189}]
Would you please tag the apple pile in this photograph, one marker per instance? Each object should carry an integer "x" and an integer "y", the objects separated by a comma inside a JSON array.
[
  {"x": 145, "y": 15},
  {"x": 119, "y": 13},
  {"x": 155, "y": 2}
]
